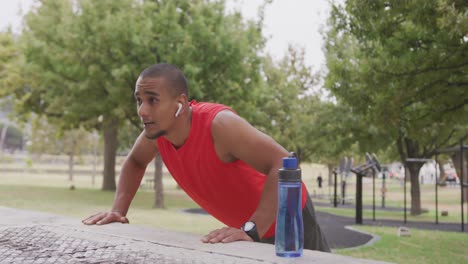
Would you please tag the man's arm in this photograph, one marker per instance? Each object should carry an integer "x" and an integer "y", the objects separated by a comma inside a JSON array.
[
  {"x": 235, "y": 138},
  {"x": 133, "y": 169}
]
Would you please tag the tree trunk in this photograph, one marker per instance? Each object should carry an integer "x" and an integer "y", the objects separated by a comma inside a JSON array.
[
  {"x": 3, "y": 137},
  {"x": 330, "y": 174},
  {"x": 462, "y": 178},
  {"x": 71, "y": 159},
  {"x": 441, "y": 173},
  {"x": 95, "y": 157},
  {"x": 299, "y": 155},
  {"x": 158, "y": 183},
  {"x": 110, "y": 151},
  {"x": 413, "y": 169},
  {"x": 71, "y": 163},
  {"x": 408, "y": 148}
]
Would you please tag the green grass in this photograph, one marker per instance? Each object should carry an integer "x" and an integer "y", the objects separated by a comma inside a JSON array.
[
  {"x": 82, "y": 203},
  {"x": 367, "y": 214},
  {"x": 422, "y": 247},
  {"x": 449, "y": 200}
]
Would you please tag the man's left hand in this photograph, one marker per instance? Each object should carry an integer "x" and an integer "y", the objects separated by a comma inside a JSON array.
[{"x": 226, "y": 235}]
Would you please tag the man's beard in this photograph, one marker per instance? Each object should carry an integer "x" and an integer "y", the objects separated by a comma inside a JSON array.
[{"x": 156, "y": 135}]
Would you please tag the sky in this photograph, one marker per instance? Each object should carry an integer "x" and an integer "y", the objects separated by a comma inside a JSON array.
[{"x": 296, "y": 22}]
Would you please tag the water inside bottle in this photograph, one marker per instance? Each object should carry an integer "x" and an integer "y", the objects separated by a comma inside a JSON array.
[{"x": 289, "y": 225}]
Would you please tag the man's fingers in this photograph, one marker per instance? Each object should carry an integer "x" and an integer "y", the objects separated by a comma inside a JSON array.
[
  {"x": 222, "y": 234},
  {"x": 90, "y": 218},
  {"x": 226, "y": 235},
  {"x": 217, "y": 238},
  {"x": 211, "y": 235},
  {"x": 236, "y": 236},
  {"x": 109, "y": 219},
  {"x": 105, "y": 218},
  {"x": 94, "y": 219}
]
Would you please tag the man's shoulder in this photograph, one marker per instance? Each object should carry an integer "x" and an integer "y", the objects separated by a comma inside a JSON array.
[
  {"x": 208, "y": 107},
  {"x": 210, "y": 111},
  {"x": 227, "y": 121}
]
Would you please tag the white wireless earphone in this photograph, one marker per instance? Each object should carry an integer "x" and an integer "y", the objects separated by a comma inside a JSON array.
[{"x": 178, "y": 110}]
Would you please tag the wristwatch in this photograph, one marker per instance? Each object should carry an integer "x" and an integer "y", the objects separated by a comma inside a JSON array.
[{"x": 251, "y": 230}]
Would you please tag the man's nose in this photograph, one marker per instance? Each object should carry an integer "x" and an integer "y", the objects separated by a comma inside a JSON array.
[{"x": 142, "y": 111}]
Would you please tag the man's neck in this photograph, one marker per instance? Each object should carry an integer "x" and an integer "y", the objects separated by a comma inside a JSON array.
[{"x": 181, "y": 130}]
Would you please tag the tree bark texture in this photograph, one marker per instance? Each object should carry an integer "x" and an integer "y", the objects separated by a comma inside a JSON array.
[
  {"x": 71, "y": 163},
  {"x": 110, "y": 150},
  {"x": 408, "y": 148},
  {"x": 158, "y": 182},
  {"x": 413, "y": 169},
  {"x": 3, "y": 137},
  {"x": 457, "y": 164},
  {"x": 330, "y": 174},
  {"x": 441, "y": 173}
]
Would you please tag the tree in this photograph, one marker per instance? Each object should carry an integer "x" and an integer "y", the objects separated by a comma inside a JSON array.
[
  {"x": 82, "y": 59},
  {"x": 49, "y": 139},
  {"x": 286, "y": 107},
  {"x": 296, "y": 115},
  {"x": 10, "y": 138},
  {"x": 399, "y": 67},
  {"x": 9, "y": 56},
  {"x": 299, "y": 117},
  {"x": 332, "y": 135}
]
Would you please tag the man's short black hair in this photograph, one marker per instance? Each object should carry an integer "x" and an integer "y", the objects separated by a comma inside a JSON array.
[{"x": 169, "y": 72}]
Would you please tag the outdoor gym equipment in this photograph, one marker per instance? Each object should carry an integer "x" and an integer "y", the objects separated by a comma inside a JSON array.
[
  {"x": 361, "y": 171},
  {"x": 461, "y": 148},
  {"x": 344, "y": 169}
]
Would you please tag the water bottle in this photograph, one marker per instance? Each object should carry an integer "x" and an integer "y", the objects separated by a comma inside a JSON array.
[{"x": 289, "y": 236}]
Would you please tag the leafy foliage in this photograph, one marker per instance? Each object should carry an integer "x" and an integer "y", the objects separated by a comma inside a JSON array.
[
  {"x": 48, "y": 139},
  {"x": 398, "y": 67},
  {"x": 82, "y": 58},
  {"x": 284, "y": 106}
]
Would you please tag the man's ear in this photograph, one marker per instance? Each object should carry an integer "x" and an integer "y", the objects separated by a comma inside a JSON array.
[
  {"x": 178, "y": 109},
  {"x": 182, "y": 101},
  {"x": 182, "y": 98}
]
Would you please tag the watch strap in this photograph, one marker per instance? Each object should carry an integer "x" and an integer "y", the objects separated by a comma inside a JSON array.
[{"x": 252, "y": 233}]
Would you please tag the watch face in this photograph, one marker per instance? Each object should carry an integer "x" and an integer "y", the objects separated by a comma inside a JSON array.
[{"x": 248, "y": 226}]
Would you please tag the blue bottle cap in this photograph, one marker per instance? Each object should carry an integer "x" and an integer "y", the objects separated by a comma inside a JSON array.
[{"x": 290, "y": 163}]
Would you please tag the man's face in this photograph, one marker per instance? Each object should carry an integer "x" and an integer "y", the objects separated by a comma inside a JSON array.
[{"x": 155, "y": 106}]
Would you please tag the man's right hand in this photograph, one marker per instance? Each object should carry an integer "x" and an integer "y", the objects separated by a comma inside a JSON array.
[
  {"x": 105, "y": 218},
  {"x": 132, "y": 171}
]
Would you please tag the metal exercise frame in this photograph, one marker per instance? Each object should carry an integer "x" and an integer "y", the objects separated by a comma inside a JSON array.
[
  {"x": 344, "y": 169},
  {"x": 462, "y": 148},
  {"x": 360, "y": 171}
]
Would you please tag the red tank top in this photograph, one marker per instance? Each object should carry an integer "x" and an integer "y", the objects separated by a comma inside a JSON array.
[{"x": 230, "y": 192}]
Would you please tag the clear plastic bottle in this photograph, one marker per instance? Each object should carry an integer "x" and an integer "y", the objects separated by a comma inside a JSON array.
[{"x": 289, "y": 236}]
